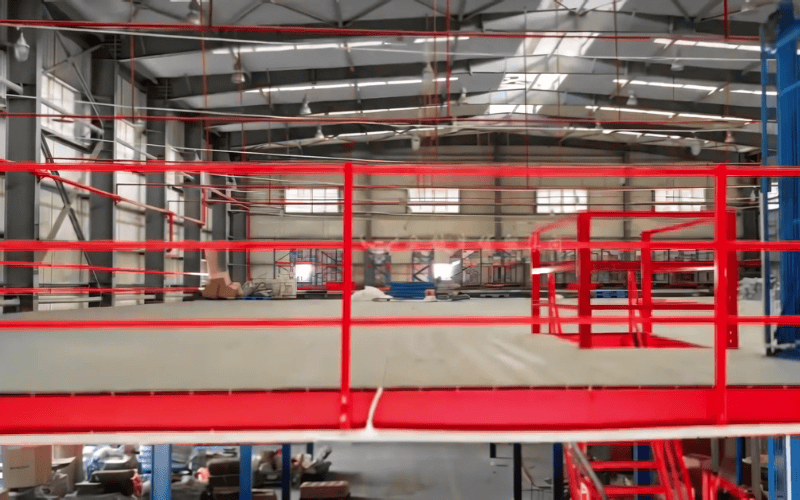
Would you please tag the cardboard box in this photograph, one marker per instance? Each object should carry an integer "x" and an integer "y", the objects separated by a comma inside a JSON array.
[
  {"x": 68, "y": 467},
  {"x": 27, "y": 466}
]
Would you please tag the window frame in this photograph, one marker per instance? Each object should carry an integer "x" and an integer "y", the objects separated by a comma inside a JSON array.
[
  {"x": 447, "y": 200},
  {"x": 562, "y": 206},
  {"x": 679, "y": 199},
  {"x": 311, "y": 203}
]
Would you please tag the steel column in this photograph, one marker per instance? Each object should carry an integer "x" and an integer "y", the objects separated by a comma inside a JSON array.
[
  {"x": 347, "y": 291},
  {"x": 766, "y": 264},
  {"x": 642, "y": 477},
  {"x": 517, "y": 471},
  {"x": 732, "y": 337},
  {"x": 740, "y": 452},
  {"x": 310, "y": 449},
  {"x": 558, "y": 471},
  {"x": 755, "y": 468},
  {"x": 23, "y": 144},
  {"x": 161, "y": 481},
  {"x": 536, "y": 280},
  {"x": 193, "y": 208},
  {"x": 155, "y": 195},
  {"x": 793, "y": 468},
  {"x": 788, "y": 154},
  {"x": 245, "y": 472},
  {"x": 102, "y": 209},
  {"x": 286, "y": 472},
  {"x": 584, "y": 280},
  {"x": 721, "y": 301}
]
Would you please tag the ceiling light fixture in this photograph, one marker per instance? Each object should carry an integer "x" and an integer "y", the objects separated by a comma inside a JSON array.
[
  {"x": 305, "y": 109},
  {"x": 729, "y": 137},
  {"x": 462, "y": 99},
  {"x": 21, "y": 48},
  {"x": 677, "y": 65},
  {"x": 427, "y": 73},
  {"x": 749, "y": 6},
  {"x": 238, "y": 77},
  {"x": 194, "y": 16},
  {"x": 632, "y": 100},
  {"x": 319, "y": 135}
]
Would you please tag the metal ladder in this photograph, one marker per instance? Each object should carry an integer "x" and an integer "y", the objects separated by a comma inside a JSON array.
[{"x": 666, "y": 462}]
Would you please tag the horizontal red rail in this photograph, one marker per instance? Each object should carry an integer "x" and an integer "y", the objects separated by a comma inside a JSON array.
[
  {"x": 78, "y": 290},
  {"x": 297, "y": 30}
]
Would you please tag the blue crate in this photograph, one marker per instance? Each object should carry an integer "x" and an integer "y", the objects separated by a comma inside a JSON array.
[
  {"x": 611, "y": 294},
  {"x": 412, "y": 290}
]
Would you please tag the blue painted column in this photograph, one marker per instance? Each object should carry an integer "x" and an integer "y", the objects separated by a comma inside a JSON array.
[
  {"x": 788, "y": 155},
  {"x": 286, "y": 472},
  {"x": 161, "y": 482},
  {"x": 558, "y": 471},
  {"x": 771, "y": 469},
  {"x": 310, "y": 449},
  {"x": 642, "y": 476},
  {"x": 517, "y": 471},
  {"x": 246, "y": 472},
  {"x": 739, "y": 456},
  {"x": 492, "y": 450}
]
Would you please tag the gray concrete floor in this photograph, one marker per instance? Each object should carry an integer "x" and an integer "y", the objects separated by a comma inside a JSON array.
[
  {"x": 236, "y": 359},
  {"x": 435, "y": 471}
]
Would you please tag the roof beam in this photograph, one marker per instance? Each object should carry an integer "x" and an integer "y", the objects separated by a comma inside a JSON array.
[{"x": 367, "y": 11}]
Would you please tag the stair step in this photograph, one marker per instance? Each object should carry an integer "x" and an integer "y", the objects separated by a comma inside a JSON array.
[
  {"x": 624, "y": 465},
  {"x": 628, "y": 491}
]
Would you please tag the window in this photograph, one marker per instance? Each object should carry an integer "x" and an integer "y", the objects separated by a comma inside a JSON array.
[
  {"x": 312, "y": 201},
  {"x": 680, "y": 200},
  {"x": 58, "y": 98},
  {"x": 561, "y": 201},
  {"x": 430, "y": 200},
  {"x": 302, "y": 272},
  {"x": 772, "y": 196},
  {"x": 129, "y": 136},
  {"x": 444, "y": 271},
  {"x": 127, "y": 133}
]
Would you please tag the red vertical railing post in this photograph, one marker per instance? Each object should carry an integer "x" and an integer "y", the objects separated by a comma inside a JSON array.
[
  {"x": 584, "y": 270},
  {"x": 647, "y": 289},
  {"x": 551, "y": 300},
  {"x": 733, "y": 284},
  {"x": 536, "y": 261},
  {"x": 347, "y": 293},
  {"x": 721, "y": 269},
  {"x": 632, "y": 306}
]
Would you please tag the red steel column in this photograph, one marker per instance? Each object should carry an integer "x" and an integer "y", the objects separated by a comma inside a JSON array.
[
  {"x": 647, "y": 290},
  {"x": 536, "y": 261},
  {"x": 721, "y": 291},
  {"x": 733, "y": 285},
  {"x": 584, "y": 280},
  {"x": 347, "y": 292}
]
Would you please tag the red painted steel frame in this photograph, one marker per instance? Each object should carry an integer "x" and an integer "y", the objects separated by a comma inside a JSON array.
[{"x": 490, "y": 409}]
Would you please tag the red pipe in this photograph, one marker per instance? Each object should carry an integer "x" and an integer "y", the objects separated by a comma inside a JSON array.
[
  {"x": 315, "y": 120},
  {"x": 298, "y": 30},
  {"x": 85, "y": 267}
]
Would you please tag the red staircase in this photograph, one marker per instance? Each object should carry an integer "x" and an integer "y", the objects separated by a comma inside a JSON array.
[{"x": 666, "y": 463}]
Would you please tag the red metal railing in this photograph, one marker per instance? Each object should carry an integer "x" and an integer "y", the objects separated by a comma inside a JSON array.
[{"x": 509, "y": 409}]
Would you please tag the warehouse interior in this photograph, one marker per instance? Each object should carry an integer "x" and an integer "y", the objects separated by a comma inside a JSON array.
[{"x": 420, "y": 249}]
